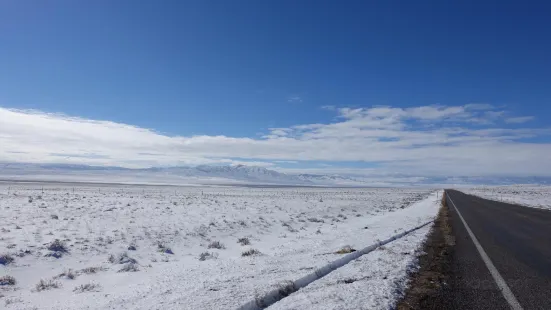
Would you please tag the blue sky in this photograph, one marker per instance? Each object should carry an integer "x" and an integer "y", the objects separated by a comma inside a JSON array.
[{"x": 238, "y": 69}]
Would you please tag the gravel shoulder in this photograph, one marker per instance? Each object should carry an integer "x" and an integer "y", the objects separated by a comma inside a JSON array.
[{"x": 429, "y": 284}]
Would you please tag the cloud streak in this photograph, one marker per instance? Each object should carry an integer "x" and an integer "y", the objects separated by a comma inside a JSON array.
[
  {"x": 294, "y": 99},
  {"x": 427, "y": 140},
  {"x": 519, "y": 120}
]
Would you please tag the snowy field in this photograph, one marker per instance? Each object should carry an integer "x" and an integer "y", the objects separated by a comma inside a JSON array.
[
  {"x": 538, "y": 196},
  {"x": 131, "y": 247}
]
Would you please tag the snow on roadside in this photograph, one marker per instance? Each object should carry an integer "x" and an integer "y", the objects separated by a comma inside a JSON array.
[
  {"x": 538, "y": 196},
  {"x": 375, "y": 280},
  {"x": 294, "y": 229}
]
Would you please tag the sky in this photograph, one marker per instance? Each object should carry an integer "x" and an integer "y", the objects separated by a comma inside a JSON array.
[{"x": 421, "y": 88}]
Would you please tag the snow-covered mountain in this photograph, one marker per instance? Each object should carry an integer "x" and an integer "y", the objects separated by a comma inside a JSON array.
[
  {"x": 330, "y": 179},
  {"x": 239, "y": 174},
  {"x": 242, "y": 172},
  {"x": 178, "y": 175}
]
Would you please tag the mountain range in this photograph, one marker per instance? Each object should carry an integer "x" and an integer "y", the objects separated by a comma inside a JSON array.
[{"x": 237, "y": 174}]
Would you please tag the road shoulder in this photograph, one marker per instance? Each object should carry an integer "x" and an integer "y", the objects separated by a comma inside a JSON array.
[{"x": 429, "y": 285}]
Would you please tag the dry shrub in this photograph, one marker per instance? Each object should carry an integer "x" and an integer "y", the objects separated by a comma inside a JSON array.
[
  {"x": 216, "y": 245},
  {"x": 345, "y": 250},
  {"x": 46, "y": 285},
  {"x": 251, "y": 252},
  {"x": 7, "y": 280}
]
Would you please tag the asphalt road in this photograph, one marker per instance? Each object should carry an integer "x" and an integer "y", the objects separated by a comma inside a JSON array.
[{"x": 517, "y": 240}]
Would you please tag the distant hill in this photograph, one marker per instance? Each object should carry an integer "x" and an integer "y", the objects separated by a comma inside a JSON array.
[
  {"x": 168, "y": 175},
  {"x": 239, "y": 174}
]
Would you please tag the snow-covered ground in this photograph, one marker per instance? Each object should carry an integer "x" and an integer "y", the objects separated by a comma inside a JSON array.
[
  {"x": 170, "y": 233},
  {"x": 538, "y": 196}
]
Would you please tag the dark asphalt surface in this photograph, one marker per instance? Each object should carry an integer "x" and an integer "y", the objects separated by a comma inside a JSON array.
[{"x": 518, "y": 241}]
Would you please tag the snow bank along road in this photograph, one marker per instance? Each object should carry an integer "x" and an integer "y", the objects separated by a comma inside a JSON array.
[
  {"x": 537, "y": 196},
  {"x": 138, "y": 247},
  {"x": 516, "y": 242}
]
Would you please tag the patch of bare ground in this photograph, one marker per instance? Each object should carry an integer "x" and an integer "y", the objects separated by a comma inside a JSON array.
[{"x": 428, "y": 286}]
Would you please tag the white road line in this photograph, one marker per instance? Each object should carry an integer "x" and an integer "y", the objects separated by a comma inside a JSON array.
[{"x": 505, "y": 290}]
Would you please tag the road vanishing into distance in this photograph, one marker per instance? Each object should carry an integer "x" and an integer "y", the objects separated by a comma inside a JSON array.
[{"x": 502, "y": 255}]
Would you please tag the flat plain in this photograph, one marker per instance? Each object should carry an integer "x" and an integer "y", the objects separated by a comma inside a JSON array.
[{"x": 157, "y": 247}]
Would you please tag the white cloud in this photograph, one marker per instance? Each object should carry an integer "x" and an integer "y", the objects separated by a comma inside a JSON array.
[
  {"x": 479, "y": 106},
  {"x": 435, "y": 112},
  {"x": 286, "y": 161},
  {"x": 252, "y": 163},
  {"x": 519, "y": 120},
  {"x": 430, "y": 140},
  {"x": 494, "y": 114},
  {"x": 294, "y": 99}
]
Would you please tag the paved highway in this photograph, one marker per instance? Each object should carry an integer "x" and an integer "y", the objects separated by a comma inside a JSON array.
[{"x": 516, "y": 274}]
